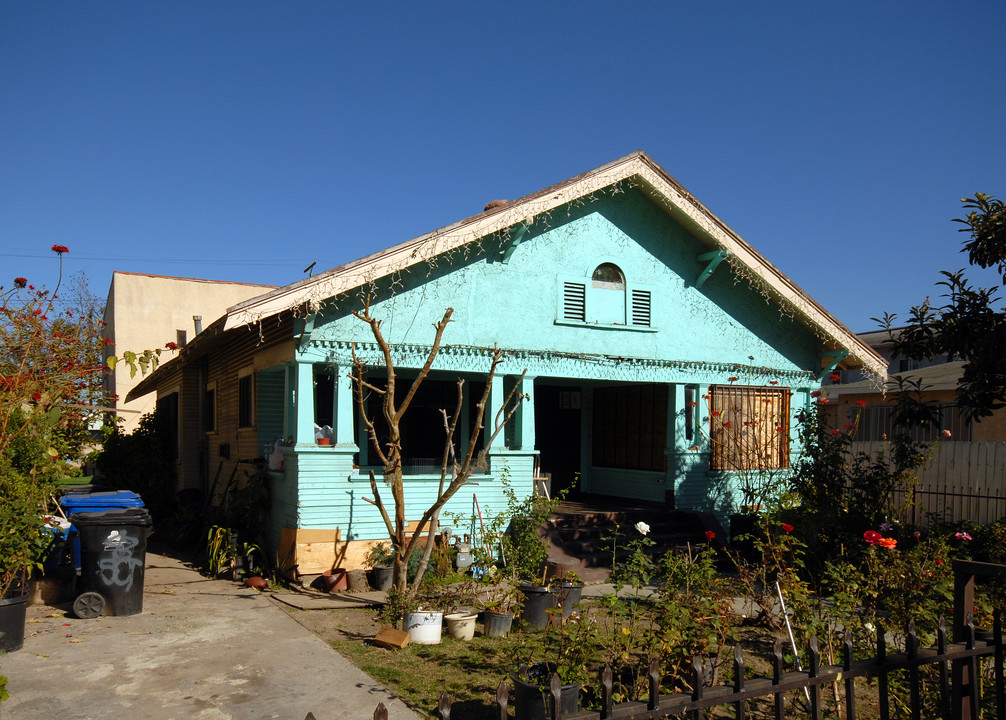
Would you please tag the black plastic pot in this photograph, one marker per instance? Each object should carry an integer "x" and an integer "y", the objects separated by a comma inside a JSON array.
[
  {"x": 568, "y": 596},
  {"x": 497, "y": 624},
  {"x": 381, "y": 577},
  {"x": 12, "y": 611},
  {"x": 532, "y": 700},
  {"x": 538, "y": 600}
]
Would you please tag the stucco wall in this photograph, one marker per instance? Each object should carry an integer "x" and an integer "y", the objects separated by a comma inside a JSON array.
[{"x": 146, "y": 311}]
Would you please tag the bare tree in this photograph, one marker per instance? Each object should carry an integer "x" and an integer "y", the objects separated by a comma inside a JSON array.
[{"x": 455, "y": 468}]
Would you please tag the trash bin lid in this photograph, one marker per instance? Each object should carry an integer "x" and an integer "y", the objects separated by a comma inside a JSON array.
[
  {"x": 100, "y": 501},
  {"x": 118, "y": 516}
]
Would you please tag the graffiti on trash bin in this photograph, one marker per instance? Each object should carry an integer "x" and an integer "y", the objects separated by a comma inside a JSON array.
[{"x": 119, "y": 567}]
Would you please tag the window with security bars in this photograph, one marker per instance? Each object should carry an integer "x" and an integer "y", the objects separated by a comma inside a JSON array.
[{"x": 748, "y": 427}]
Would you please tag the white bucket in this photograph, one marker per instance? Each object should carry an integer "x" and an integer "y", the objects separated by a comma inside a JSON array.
[
  {"x": 424, "y": 627},
  {"x": 461, "y": 625}
]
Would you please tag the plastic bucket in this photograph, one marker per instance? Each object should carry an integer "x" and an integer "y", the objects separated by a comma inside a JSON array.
[
  {"x": 496, "y": 624},
  {"x": 424, "y": 627},
  {"x": 538, "y": 600},
  {"x": 461, "y": 625}
]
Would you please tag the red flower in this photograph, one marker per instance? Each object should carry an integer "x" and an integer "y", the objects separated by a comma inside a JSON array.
[
  {"x": 710, "y": 535},
  {"x": 816, "y": 393},
  {"x": 849, "y": 426},
  {"x": 60, "y": 249},
  {"x": 824, "y": 401},
  {"x": 787, "y": 527},
  {"x": 108, "y": 341},
  {"x": 945, "y": 433},
  {"x": 836, "y": 432},
  {"x": 939, "y": 561},
  {"x": 732, "y": 378},
  {"x": 727, "y": 424},
  {"x": 835, "y": 378},
  {"x": 861, "y": 403},
  {"x": 871, "y": 537},
  {"x": 20, "y": 282},
  {"x": 171, "y": 345},
  {"x": 715, "y": 413},
  {"x": 773, "y": 382}
]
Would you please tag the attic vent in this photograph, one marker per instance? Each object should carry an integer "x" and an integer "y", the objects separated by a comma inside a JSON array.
[
  {"x": 641, "y": 307},
  {"x": 574, "y": 301},
  {"x": 495, "y": 204}
]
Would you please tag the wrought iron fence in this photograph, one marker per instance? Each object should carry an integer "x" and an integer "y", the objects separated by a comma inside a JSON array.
[{"x": 958, "y": 678}]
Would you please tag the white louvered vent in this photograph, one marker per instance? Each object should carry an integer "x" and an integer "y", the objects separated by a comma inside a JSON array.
[{"x": 574, "y": 301}]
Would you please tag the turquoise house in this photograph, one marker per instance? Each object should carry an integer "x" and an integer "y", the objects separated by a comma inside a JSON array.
[{"x": 662, "y": 357}]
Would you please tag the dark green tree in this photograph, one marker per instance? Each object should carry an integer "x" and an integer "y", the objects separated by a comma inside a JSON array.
[{"x": 970, "y": 325}]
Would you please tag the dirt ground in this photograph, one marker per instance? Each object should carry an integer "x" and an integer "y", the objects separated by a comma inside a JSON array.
[{"x": 339, "y": 624}]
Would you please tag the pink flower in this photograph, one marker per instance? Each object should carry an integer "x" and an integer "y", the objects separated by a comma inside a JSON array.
[
  {"x": 824, "y": 401},
  {"x": 945, "y": 433},
  {"x": 871, "y": 537},
  {"x": 962, "y": 536}
]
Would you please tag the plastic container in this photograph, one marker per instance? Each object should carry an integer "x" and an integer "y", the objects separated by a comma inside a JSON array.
[
  {"x": 461, "y": 625},
  {"x": 87, "y": 499},
  {"x": 12, "y": 615},
  {"x": 113, "y": 548},
  {"x": 425, "y": 627}
]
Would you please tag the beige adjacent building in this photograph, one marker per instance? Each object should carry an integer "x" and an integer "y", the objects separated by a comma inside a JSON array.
[{"x": 150, "y": 311}]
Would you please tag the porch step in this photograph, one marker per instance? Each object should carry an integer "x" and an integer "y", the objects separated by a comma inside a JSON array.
[{"x": 580, "y": 534}]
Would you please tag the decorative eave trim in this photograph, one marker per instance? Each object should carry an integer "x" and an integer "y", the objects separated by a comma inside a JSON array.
[{"x": 637, "y": 168}]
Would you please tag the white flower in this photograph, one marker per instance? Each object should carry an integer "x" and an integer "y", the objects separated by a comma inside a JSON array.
[
  {"x": 870, "y": 627},
  {"x": 642, "y": 528}
]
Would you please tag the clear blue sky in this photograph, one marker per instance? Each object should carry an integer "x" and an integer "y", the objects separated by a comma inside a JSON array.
[{"x": 244, "y": 140}]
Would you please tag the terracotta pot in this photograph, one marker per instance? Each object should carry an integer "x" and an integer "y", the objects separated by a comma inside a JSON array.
[
  {"x": 335, "y": 579},
  {"x": 259, "y": 583},
  {"x": 324, "y": 441}
]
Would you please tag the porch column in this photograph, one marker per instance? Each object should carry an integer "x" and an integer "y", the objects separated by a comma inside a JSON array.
[
  {"x": 496, "y": 397},
  {"x": 678, "y": 420},
  {"x": 345, "y": 409},
  {"x": 525, "y": 416},
  {"x": 304, "y": 401}
]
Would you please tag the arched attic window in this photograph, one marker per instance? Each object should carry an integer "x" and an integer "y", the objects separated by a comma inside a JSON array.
[{"x": 608, "y": 299}]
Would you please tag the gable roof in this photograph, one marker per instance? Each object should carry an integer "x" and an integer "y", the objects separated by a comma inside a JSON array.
[{"x": 637, "y": 168}]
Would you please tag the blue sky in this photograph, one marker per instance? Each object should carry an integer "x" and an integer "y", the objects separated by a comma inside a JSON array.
[{"x": 244, "y": 140}]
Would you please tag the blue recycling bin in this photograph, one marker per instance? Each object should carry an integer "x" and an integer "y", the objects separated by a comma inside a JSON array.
[{"x": 92, "y": 502}]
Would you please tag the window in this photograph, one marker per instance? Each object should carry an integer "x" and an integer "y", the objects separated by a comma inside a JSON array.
[
  {"x": 210, "y": 408},
  {"x": 181, "y": 337},
  {"x": 630, "y": 427},
  {"x": 748, "y": 427},
  {"x": 608, "y": 300},
  {"x": 246, "y": 415},
  {"x": 167, "y": 419}
]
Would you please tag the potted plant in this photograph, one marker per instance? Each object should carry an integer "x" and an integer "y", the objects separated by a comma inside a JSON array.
[
  {"x": 379, "y": 559},
  {"x": 23, "y": 543},
  {"x": 568, "y": 590},
  {"x": 560, "y": 650},
  {"x": 497, "y": 618}
]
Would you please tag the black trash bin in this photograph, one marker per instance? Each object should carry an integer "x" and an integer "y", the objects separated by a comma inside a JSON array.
[{"x": 113, "y": 548}]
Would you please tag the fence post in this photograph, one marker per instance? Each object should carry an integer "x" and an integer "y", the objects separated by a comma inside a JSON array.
[
  {"x": 850, "y": 682},
  {"x": 607, "y": 692},
  {"x": 912, "y": 653},
  {"x": 444, "y": 706},
  {"x": 885, "y": 695},
  {"x": 740, "y": 707},
  {"x": 815, "y": 689},
  {"x": 380, "y": 712},
  {"x": 777, "y": 671},
  {"x": 502, "y": 700}
]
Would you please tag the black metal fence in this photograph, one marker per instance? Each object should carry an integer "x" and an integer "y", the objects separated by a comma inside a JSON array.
[{"x": 959, "y": 678}]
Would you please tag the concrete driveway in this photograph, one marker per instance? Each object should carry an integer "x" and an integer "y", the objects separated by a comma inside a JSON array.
[{"x": 200, "y": 650}]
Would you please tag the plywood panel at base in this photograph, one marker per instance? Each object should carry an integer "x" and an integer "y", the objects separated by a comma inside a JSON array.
[{"x": 313, "y": 551}]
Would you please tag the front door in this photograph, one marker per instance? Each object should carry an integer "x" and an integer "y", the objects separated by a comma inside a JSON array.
[{"x": 557, "y": 422}]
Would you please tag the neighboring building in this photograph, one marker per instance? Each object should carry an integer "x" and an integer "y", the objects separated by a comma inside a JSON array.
[
  {"x": 930, "y": 380},
  {"x": 645, "y": 324},
  {"x": 146, "y": 312}
]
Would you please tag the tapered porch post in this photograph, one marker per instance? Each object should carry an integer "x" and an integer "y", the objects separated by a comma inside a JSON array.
[{"x": 304, "y": 402}]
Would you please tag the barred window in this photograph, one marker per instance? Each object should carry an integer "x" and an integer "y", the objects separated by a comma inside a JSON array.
[{"x": 748, "y": 427}]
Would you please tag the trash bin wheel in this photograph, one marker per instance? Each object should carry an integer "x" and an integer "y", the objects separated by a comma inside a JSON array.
[{"x": 88, "y": 605}]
